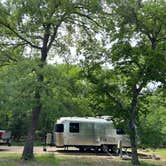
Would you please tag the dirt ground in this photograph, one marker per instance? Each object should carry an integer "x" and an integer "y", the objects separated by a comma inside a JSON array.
[{"x": 61, "y": 151}]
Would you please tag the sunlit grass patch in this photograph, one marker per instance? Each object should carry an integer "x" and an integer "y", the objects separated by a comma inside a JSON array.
[
  {"x": 9, "y": 155},
  {"x": 160, "y": 152},
  {"x": 153, "y": 163}
]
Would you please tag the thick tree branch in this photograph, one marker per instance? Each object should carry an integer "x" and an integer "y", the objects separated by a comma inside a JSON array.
[
  {"x": 52, "y": 38},
  {"x": 20, "y": 36},
  {"x": 142, "y": 85},
  {"x": 46, "y": 37}
]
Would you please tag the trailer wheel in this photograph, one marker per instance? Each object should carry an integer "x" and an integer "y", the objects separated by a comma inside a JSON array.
[
  {"x": 81, "y": 149},
  {"x": 96, "y": 149},
  {"x": 105, "y": 149},
  {"x": 115, "y": 149}
]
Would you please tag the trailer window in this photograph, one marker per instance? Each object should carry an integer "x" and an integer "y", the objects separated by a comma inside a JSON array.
[
  {"x": 59, "y": 128},
  {"x": 74, "y": 128},
  {"x": 120, "y": 131}
]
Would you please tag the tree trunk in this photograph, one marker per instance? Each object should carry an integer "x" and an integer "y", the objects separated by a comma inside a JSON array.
[
  {"x": 28, "y": 147},
  {"x": 132, "y": 127},
  {"x": 154, "y": 43}
]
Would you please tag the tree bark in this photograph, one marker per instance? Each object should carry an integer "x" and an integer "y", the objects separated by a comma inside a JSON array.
[
  {"x": 132, "y": 127},
  {"x": 28, "y": 147}
]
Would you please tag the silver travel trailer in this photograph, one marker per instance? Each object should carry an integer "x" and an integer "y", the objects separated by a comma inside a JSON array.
[{"x": 87, "y": 133}]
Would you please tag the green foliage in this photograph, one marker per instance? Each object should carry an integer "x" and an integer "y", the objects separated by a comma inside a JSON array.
[
  {"x": 17, "y": 88},
  {"x": 135, "y": 53},
  {"x": 39, "y": 26},
  {"x": 152, "y": 124},
  {"x": 64, "y": 93}
]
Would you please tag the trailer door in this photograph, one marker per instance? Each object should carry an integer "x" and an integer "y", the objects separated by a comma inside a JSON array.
[{"x": 59, "y": 135}]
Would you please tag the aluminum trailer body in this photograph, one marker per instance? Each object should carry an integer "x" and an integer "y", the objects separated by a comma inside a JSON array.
[{"x": 87, "y": 132}]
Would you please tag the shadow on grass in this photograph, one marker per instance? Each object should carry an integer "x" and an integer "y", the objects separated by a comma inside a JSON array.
[{"x": 3, "y": 150}]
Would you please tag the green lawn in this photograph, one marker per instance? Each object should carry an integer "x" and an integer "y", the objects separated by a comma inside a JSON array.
[
  {"x": 52, "y": 160},
  {"x": 78, "y": 160},
  {"x": 160, "y": 152}
]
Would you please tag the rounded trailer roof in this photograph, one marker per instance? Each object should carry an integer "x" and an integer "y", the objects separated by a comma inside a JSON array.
[{"x": 85, "y": 119}]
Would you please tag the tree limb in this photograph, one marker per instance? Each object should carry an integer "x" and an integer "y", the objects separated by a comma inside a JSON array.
[
  {"x": 55, "y": 31},
  {"x": 19, "y": 36}
]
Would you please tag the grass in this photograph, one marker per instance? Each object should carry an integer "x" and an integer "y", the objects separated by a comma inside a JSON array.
[
  {"x": 43, "y": 160},
  {"x": 160, "y": 152},
  {"x": 52, "y": 160},
  {"x": 152, "y": 163},
  {"x": 77, "y": 160}
]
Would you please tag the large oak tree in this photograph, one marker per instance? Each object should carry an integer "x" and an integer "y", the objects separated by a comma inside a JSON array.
[
  {"x": 40, "y": 26},
  {"x": 136, "y": 54}
]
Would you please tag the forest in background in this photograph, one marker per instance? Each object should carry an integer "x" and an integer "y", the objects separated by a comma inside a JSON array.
[{"x": 69, "y": 93}]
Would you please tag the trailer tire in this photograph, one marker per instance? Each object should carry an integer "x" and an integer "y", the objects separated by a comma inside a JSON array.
[
  {"x": 105, "y": 149},
  {"x": 96, "y": 149},
  {"x": 115, "y": 149},
  {"x": 81, "y": 149}
]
